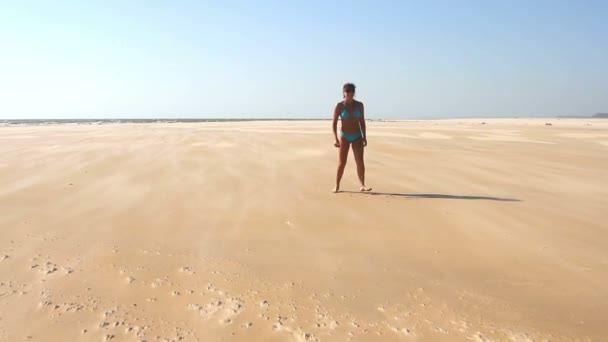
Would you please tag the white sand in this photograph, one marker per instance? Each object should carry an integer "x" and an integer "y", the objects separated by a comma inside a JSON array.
[{"x": 229, "y": 231}]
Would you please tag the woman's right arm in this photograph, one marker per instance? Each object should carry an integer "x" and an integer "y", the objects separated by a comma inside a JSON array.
[{"x": 335, "y": 123}]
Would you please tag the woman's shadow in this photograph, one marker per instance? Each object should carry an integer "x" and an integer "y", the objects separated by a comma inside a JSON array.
[{"x": 436, "y": 196}]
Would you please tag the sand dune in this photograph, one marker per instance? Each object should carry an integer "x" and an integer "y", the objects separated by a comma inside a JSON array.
[{"x": 229, "y": 231}]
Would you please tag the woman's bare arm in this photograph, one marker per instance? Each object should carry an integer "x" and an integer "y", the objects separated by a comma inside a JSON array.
[
  {"x": 335, "y": 122},
  {"x": 362, "y": 124}
]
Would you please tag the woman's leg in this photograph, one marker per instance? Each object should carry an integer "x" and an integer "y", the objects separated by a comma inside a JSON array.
[
  {"x": 342, "y": 156},
  {"x": 358, "y": 152}
]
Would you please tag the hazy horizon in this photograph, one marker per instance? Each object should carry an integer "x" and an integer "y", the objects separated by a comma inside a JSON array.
[{"x": 186, "y": 59}]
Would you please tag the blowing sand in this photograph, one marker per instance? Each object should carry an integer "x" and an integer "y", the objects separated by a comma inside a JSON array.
[{"x": 229, "y": 231}]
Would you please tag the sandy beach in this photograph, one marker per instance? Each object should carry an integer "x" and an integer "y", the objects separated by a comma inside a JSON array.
[{"x": 476, "y": 230}]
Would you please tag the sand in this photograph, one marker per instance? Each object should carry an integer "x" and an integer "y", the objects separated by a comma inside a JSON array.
[{"x": 482, "y": 230}]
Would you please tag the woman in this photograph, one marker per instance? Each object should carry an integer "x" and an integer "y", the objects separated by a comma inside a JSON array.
[{"x": 352, "y": 133}]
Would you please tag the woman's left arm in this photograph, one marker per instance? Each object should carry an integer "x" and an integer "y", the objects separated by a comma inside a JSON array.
[{"x": 362, "y": 125}]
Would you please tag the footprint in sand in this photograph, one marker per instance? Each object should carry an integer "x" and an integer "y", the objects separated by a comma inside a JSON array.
[
  {"x": 72, "y": 307},
  {"x": 187, "y": 270},
  {"x": 45, "y": 303},
  {"x": 478, "y": 337},
  {"x": 278, "y": 325},
  {"x": 223, "y": 310},
  {"x": 403, "y": 331},
  {"x": 158, "y": 282},
  {"x": 47, "y": 268}
]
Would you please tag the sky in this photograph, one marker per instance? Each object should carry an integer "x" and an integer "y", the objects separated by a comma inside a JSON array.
[{"x": 289, "y": 59}]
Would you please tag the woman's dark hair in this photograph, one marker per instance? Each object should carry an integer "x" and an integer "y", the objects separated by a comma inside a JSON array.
[{"x": 349, "y": 87}]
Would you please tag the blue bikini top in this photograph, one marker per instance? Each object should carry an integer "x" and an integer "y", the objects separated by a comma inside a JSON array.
[{"x": 344, "y": 114}]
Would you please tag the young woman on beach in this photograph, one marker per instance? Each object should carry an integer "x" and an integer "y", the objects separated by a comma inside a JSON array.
[{"x": 352, "y": 133}]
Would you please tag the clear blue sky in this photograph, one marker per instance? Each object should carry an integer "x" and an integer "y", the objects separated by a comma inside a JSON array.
[{"x": 81, "y": 59}]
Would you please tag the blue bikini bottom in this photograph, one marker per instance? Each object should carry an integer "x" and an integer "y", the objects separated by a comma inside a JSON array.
[{"x": 351, "y": 137}]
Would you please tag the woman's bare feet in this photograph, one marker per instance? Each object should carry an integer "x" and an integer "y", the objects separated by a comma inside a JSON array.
[
  {"x": 336, "y": 190},
  {"x": 365, "y": 189}
]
